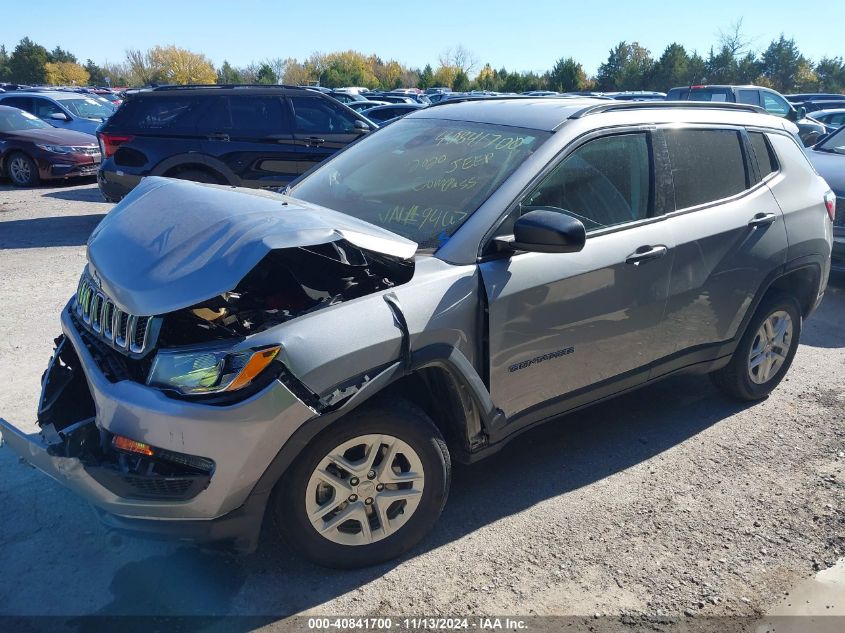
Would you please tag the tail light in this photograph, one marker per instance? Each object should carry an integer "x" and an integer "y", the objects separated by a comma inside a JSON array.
[
  {"x": 830, "y": 203},
  {"x": 110, "y": 142}
]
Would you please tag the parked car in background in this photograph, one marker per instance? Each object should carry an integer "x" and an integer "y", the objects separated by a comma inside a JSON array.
[
  {"x": 828, "y": 157},
  {"x": 832, "y": 119},
  {"x": 360, "y": 106},
  {"x": 540, "y": 93},
  {"x": 814, "y": 96},
  {"x": 65, "y": 110},
  {"x": 811, "y": 107},
  {"x": 388, "y": 113},
  {"x": 32, "y": 150},
  {"x": 771, "y": 101},
  {"x": 346, "y": 97},
  {"x": 423, "y": 297},
  {"x": 251, "y": 136},
  {"x": 389, "y": 98},
  {"x": 636, "y": 95}
]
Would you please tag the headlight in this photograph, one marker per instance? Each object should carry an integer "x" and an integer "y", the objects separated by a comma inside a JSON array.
[
  {"x": 200, "y": 372},
  {"x": 56, "y": 149}
]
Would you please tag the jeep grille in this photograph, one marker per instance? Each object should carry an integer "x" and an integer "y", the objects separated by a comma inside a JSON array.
[{"x": 127, "y": 333}]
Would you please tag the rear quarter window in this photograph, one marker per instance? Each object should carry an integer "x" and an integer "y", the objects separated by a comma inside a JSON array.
[
  {"x": 166, "y": 114},
  {"x": 766, "y": 160},
  {"x": 707, "y": 165}
]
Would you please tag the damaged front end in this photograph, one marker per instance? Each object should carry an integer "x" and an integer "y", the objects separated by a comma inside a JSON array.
[{"x": 160, "y": 405}]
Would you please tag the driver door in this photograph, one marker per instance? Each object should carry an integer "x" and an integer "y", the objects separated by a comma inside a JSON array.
[{"x": 560, "y": 323}]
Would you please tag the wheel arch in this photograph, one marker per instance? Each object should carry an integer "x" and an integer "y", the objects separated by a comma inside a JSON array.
[{"x": 197, "y": 161}]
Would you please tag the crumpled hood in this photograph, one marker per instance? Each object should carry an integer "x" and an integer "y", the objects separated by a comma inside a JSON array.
[{"x": 171, "y": 244}]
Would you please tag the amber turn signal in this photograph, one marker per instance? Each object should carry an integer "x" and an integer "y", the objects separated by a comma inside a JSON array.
[
  {"x": 254, "y": 366},
  {"x": 131, "y": 446}
]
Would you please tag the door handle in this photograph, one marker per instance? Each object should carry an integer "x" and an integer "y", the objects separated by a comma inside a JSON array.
[
  {"x": 762, "y": 219},
  {"x": 646, "y": 254},
  {"x": 218, "y": 137},
  {"x": 315, "y": 141}
]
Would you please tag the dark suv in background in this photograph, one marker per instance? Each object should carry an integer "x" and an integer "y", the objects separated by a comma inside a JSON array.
[
  {"x": 770, "y": 100},
  {"x": 250, "y": 136}
]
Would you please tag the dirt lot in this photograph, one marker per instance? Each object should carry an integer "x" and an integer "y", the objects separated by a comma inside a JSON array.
[{"x": 671, "y": 500}]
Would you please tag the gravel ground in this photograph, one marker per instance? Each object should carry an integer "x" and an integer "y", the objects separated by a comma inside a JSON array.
[{"x": 671, "y": 500}]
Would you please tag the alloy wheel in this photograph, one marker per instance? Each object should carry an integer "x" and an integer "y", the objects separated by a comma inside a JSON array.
[
  {"x": 770, "y": 347},
  {"x": 365, "y": 489},
  {"x": 19, "y": 170}
]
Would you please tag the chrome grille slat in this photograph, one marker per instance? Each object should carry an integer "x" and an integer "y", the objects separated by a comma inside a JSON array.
[{"x": 128, "y": 333}]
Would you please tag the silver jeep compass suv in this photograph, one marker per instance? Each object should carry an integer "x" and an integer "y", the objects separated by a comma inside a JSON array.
[{"x": 449, "y": 281}]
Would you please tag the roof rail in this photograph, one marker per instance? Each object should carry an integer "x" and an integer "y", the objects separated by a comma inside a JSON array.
[
  {"x": 615, "y": 106},
  {"x": 222, "y": 86}
]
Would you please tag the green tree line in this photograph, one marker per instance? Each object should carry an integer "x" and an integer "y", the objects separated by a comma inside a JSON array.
[{"x": 629, "y": 66}]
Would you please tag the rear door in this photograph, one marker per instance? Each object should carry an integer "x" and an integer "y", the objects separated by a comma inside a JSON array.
[
  {"x": 560, "y": 323},
  {"x": 321, "y": 127},
  {"x": 252, "y": 136},
  {"x": 728, "y": 232},
  {"x": 22, "y": 103}
]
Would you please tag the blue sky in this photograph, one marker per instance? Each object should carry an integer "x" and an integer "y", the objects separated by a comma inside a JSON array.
[{"x": 517, "y": 34}]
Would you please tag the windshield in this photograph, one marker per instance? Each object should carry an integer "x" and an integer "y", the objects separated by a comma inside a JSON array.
[
  {"x": 14, "y": 120},
  {"x": 87, "y": 108},
  {"x": 834, "y": 143},
  {"x": 420, "y": 178}
]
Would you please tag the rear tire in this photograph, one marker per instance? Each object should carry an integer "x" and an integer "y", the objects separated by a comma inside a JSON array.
[
  {"x": 765, "y": 351},
  {"x": 340, "y": 481},
  {"x": 22, "y": 170}
]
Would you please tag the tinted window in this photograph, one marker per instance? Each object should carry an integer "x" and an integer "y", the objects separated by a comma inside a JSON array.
[
  {"x": 707, "y": 165},
  {"x": 44, "y": 108},
  {"x": 766, "y": 161},
  {"x": 602, "y": 183},
  {"x": 774, "y": 104},
  {"x": 24, "y": 103},
  {"x": 158, "y": 113},
  {"x": 256, "y": 116},
  {"x": 314, "y": 115},
  {"x": 748, "y": 96}
]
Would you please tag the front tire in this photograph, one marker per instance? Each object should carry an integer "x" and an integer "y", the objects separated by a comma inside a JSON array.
[
  {"x": 22, "y": 170},
  {"x": 367, "y": 489},
  {"x": 766, "y": 350}
]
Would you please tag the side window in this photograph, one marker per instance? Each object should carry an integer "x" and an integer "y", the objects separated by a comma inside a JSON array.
[
  {"x": 748, "y": 96},
  {"x": 44, "y": 108},
  {"x": 174, "y": 114},
  {"x": 605, "y": 182},
  {"x": 314, "y": 115},
  {"x": 24, "y": 103},
  {"x": 707, "y": 165},
  {"x": 258, "y": 116},
  {"x": 774, "y": 104},
  {"x": 766, "y": 160}
]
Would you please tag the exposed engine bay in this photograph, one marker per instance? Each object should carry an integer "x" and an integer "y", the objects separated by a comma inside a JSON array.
[{"x": 285, "y": 284}]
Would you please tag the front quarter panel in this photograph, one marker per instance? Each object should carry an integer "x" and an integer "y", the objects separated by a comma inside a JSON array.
[{"x": 335, "y": 347}]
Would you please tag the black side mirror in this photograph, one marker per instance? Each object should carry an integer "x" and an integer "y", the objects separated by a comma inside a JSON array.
[
  {"x": 545, "y": 231},
  {"x": 359, "y": 127}
]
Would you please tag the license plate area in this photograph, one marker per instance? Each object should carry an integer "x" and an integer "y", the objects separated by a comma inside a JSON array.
[{"x": 65, "y": 395}]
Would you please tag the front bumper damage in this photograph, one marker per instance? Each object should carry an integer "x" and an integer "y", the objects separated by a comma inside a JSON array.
[{"x": 226, "y": 449}]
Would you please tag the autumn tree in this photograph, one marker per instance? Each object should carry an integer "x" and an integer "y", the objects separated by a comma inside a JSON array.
[{"x": 66, "y": 74}]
